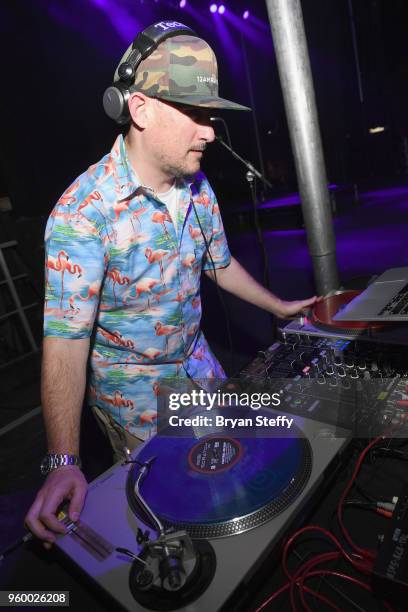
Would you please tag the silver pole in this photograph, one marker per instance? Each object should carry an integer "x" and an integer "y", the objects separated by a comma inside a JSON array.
[{"x": 289, "y": 40}]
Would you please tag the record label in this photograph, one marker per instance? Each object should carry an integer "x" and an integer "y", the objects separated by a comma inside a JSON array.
[{"x": 214, "y": 455}]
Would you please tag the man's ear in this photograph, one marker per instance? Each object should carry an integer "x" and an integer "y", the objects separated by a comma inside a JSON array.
[{"x": 138, "y": 109}]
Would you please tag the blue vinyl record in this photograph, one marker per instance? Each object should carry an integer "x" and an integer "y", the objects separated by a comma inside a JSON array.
[{"x": 219, "y": 484}]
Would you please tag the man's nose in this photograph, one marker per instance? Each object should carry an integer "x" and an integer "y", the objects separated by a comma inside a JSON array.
[{"x": 207, "y": 133}]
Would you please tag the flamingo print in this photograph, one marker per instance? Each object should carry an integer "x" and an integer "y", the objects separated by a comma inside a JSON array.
[
  {"x": 189, "y": 260},
  {"x": 93, "y": 197},
  {"x": 93, "y": 290},
  {"x": 121, "y": 206},
  {"x": 204, "y": 198},
  {"x": 194, "y": 232},
  {"x": 192, "y": 329},
  {"x": 159, "y": 294},
  {"x": 144, "y": 286},
  {"x": 138, "y": 213},
  {"x": 166, "y": 330},
  {"x": 200, "y": 354},
  {"x": 116, "y": 278},
  {"x": 162, "y": 217},
  {"x": 61, "y": 264},
  {"x": 117, "y": 400},
  {"x": 156, "y": 257},
  {"x": 150, "y": 353},
  {"x": 117, "y": 338},
  {"x": 67, "y": 197},
  {"x": 148, "y": 417},
  {"x": 179, "y": 298}
]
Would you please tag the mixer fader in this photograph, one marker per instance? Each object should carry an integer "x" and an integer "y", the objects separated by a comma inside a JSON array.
[{"x": 354, "y": 383}]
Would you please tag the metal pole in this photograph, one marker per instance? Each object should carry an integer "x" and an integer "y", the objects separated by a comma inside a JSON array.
[{"x": 289, "y": 40}]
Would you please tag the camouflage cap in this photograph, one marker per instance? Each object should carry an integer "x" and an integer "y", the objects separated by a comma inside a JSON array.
[{"x": 182, "y": 69}]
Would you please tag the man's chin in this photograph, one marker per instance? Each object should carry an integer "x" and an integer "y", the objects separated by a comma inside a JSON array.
[{"x": 190, "y": 172}]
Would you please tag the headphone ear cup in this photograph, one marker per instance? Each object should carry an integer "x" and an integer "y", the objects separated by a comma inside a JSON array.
[{"x": 115, "y": 101}]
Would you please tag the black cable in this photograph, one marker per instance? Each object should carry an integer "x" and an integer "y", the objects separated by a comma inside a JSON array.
[
  {"x": 391, "y": 452},
  {"x": 19, "y": 542},
  {"x": 360, "y": 488},
  {"x": 220, "y": 296},
  {"x": 259, "y": 232}
]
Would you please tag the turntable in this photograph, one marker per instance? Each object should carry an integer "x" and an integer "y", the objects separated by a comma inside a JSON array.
[
  {"x": 319, "y": 322},
  {"x": 188, "y": 520}
]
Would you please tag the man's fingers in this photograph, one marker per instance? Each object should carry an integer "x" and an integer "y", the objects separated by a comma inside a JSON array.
[
  {"x": 35, "y": 524},
  {"x": 77, "y": 502},
  {"x": 49, "y": 510}
]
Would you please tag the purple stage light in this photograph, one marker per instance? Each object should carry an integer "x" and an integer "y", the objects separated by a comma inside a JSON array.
[
  {"x": 213, "y": 8},
  {"x": 245, "y": 15},
  {"x": 182, "y": 3},
  {"x": 221, "y": 9}
]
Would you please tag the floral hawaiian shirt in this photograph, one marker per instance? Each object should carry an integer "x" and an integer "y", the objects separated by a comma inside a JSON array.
[{"x": 117, "y": 271}]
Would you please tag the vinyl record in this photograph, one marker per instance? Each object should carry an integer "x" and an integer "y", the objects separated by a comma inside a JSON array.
[
  {"x": 219, "y": 485},
  {"x": 324, "y": 311}
]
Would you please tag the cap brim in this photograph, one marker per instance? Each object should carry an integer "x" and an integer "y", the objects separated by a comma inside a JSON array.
[{"x": 209, "y": 102}]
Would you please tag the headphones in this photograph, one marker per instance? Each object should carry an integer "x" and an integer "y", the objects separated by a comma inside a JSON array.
[{"x": 115, "y": 98}]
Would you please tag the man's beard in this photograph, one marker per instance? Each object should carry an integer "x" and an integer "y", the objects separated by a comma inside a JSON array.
[{"x": 179, "y": 170}]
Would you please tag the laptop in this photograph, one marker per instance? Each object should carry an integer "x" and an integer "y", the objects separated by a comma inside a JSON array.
[{"x": 385, "y": 299}]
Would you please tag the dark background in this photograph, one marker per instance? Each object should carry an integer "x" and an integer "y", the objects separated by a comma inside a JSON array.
[{"x": 59, "y": 56}]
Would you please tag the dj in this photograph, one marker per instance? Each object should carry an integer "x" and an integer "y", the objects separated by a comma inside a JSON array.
[{"x": 125, "y": 248}]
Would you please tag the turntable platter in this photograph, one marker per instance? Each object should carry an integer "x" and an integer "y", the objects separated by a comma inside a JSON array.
[
  {"x": 218, "y": 485},
  {"x": 324, "y": 311}
]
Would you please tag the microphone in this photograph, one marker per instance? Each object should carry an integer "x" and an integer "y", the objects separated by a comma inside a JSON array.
[{"x": 225, "y": 127}]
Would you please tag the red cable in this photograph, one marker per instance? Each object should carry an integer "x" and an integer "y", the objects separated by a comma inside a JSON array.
[
  {"x": 327, "y": 572},
  {"x": 285, "y": 588},
  {"x": 367, "y": 556},
  {"x": 362, "y": 551},
  {"x": 304, "y": 569},
  {"x": 362, "y": 567}
]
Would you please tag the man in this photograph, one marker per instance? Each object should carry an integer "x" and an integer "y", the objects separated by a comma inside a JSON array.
[{"x": 126, "y": 244}]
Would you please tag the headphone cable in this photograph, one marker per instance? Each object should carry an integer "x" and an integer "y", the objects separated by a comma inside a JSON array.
[{"x": 220, "y": 296}]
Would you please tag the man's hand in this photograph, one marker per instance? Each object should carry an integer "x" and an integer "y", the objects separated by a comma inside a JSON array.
[
  {"x": 64, "y": 483},
  {"x": 284, "y": 309}
]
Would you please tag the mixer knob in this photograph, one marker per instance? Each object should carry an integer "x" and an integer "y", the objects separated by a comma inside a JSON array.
[
  {"x": 338, "y": 359},
  {"x": 330, "y": 370},
  {"x": 346, "y": 384},
  {"x": 315, "y": 366},
  {"x": 354, "y": 374},
  {"x": 321, "y": 380},
  {"x": 333, "y": 382},
  {"x": 325, "y": 356},
  {"x": 349, "y": 361},
  {"x": 295, "y": 364},
  {"x": 341, "y": 371},
  {"x": 361, "y": 364}
]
